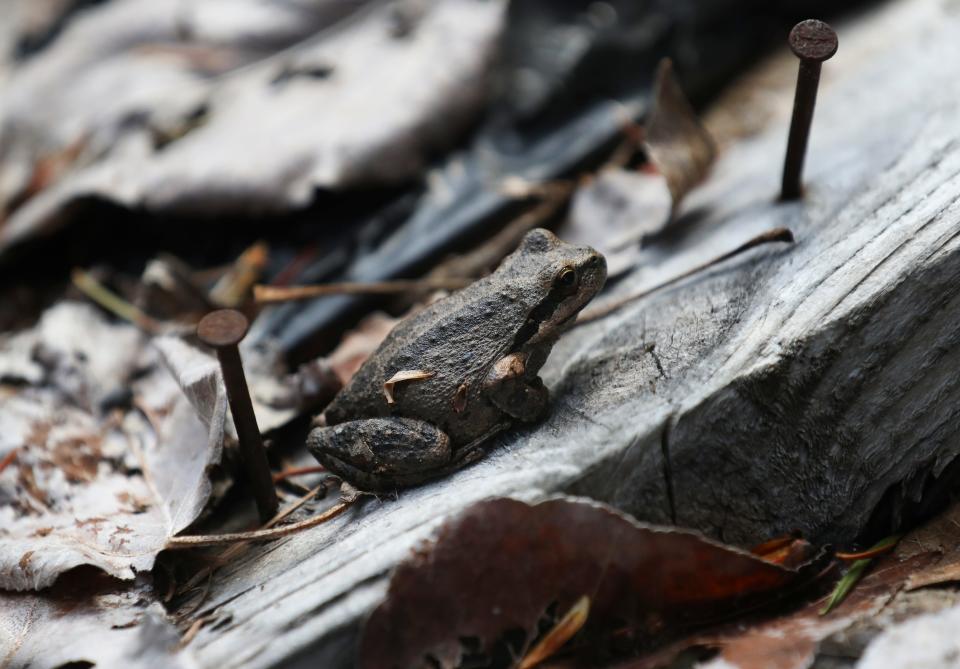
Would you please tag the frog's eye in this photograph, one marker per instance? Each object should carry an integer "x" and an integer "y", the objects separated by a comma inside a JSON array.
[{"x": 567, "y": 278}]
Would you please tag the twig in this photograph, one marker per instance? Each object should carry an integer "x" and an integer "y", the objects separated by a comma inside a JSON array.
[
  {"x": 200, "y": 540},
  {"x": 113, "y": 303},
  {"x": 298, "y": 471},
  {"x": 296, "y": 505},
  {"x": 775, "y": 235},
  {"x": 269, "y": 294},
  {"x": 236, "y": 549}
]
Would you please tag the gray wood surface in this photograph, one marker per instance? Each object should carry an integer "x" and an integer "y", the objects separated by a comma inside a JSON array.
[{"x": 790, "y": 388}]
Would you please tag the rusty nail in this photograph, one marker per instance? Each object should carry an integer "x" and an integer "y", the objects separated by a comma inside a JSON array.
[
  {"x": 812, "y": 42},
  {"x": 223, "y": 330}
]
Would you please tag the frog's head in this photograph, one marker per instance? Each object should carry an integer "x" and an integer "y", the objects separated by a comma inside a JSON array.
[{"x": 558, "y": 280}]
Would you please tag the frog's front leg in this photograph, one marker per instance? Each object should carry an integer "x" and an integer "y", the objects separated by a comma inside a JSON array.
[
  {"x": 382, "y": 453},
  {"x": 510, "y": 390}
]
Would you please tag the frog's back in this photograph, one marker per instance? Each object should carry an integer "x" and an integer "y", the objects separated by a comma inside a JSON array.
[{"x": 457, "y": 339}]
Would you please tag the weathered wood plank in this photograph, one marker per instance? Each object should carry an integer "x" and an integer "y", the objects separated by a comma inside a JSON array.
[{"x": 790, "y": 389}]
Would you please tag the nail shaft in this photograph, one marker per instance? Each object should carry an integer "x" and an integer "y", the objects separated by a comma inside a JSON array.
[
  {"x": 224, "y": 330},
  {"x": 813, "y": 42}
]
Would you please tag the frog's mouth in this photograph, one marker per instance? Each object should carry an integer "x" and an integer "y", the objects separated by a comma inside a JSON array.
[{"x": 549, "y": 330}]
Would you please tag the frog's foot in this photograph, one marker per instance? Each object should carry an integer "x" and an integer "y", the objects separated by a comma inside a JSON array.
[
  {"x": 382, "y": 453},
  {"x": 511, "y": 391},
  {"x": 522, "y": 400}
]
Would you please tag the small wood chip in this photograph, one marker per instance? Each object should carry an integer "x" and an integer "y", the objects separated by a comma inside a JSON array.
[
  {"x": 404, "y": 376},
  {"x": 460, "y": 398}
]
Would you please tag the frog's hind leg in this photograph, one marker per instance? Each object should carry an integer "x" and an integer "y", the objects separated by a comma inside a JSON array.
[{"x": 382, "y": 453}]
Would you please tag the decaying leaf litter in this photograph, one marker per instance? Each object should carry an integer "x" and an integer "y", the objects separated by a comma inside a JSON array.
[{"x": 95, "y": 426}]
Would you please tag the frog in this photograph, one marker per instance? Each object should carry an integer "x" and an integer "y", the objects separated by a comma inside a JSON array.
[{"x": 451, "y": 376}]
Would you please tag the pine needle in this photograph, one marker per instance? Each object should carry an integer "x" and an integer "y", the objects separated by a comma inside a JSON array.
[
  {"x": 855, "y": 573},
  {"x": 562, "y": 632},
  {"x": 113, "y": 303},
  {"x": 298, "y": 471}
]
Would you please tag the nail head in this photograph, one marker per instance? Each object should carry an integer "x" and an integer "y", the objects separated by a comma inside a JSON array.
[
  {"x": 813, "y": 40},
  {"x": 225, "y": 327}
]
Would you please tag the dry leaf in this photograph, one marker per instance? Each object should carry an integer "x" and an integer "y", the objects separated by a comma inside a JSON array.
[
  {"x": 789, "y": 551},
  {"x": 676, "y": 142},
  {"x": 88, "y": 620},
  {"x": 313, "y": 112},
  {"x": 790, "y": 642},
  {"x": 404, "y": 376},
  {"x": 513, "y": 561},
  {"x": 92, "y": 485},
  {"x": 620, "y": 208}
]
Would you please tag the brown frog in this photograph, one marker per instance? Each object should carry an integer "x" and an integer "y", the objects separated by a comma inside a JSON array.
[{"x": 451, "y": 376}]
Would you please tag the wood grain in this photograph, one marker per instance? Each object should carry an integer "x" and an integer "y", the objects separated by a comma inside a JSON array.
[{"x": 803, "y": 388}]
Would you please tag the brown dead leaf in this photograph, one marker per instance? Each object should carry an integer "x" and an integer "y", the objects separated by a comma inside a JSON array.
[
  {"x": 788, "y": 551},
  {"x": 620, "y": 208},
  {"x": 513, "y": 562},
  {"x": 404, "y": 376},
  {"x": 676, "y": 142},
  {"x": 790, "y": 642},
  {"x": 946, "y": 570}
]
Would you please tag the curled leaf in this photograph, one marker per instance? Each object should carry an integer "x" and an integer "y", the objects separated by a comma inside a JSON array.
[
  {"x": 677, "y": 143},
  {"x": 403, "y": 376},
  {"x": 495, "y": 570},
  {"x": 791, "y": 641}
]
